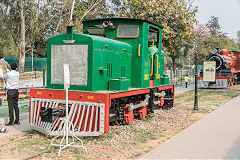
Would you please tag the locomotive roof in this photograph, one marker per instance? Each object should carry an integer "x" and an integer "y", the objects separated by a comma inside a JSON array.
[{"x": 121, "y": 19}]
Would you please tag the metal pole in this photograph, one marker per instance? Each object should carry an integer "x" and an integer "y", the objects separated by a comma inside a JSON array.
[
  {"x": 32, "y": 59},
  {"x": 181, "y": 76},
  {"x": 67, "y": 116},
  {"x": 66, "y": 86},
  {"x": 35, "y": 73},
  {"x": 189, "y": 67},
  {"x": 44, "y": 76},
  {"x": 196, "y": 74}
]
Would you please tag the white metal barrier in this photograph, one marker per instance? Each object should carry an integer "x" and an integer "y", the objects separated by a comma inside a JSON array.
[{"x": 87, "y": 118}]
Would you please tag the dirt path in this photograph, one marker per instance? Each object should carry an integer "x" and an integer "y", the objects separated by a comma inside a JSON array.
[{"x": 129, "y": 141}]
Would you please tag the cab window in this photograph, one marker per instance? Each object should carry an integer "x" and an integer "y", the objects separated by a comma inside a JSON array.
[
  {"x": 96, "y": 30},
  {"x": 127, "y": 31},
  {"x": 153, "y": 37}
]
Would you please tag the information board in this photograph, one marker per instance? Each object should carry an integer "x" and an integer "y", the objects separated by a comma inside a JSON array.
[{"x": 209, "y": 71}]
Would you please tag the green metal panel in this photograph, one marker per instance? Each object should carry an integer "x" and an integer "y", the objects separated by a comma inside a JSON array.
[
  {"x": 112, "y": 59},
  {"x": 119, "y": 84},
  {"x": 164, "y": 80},
  {"x": 146, "y": 58}
]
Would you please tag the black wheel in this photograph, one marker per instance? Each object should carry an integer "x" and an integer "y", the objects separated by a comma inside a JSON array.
[{"x": 116, "y": 112}]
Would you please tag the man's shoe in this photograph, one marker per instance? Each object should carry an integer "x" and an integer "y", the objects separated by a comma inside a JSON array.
[
  {"x": 17, "y": 122},
  {"x": 9, "y": 124}
]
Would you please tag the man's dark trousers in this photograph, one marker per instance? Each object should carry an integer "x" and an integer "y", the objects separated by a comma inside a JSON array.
[{"x": 12, "y": 98}]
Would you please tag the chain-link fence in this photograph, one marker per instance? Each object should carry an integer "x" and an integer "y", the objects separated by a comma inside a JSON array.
[
  {"x": 35, "y": 64},
  {"x": 178, "y": 78},
  {"x": 34, "y": 71}
]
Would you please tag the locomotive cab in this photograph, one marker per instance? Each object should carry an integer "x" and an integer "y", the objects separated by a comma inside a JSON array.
[{"x": 147, "y": 68}]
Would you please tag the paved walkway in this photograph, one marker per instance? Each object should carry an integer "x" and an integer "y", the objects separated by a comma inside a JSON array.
[
  {"x": 16, "y": 129},
  {"x": 216, "y": 136},
  {"x": 183, "y": 89}
]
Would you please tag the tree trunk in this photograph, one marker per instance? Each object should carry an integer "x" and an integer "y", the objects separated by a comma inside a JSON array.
[
  {"x": 60, "y": 19},
  {"x": 22, "y": 38},
  {"x": 174, "y": 66},
  {"x": 71, "y": 13}
]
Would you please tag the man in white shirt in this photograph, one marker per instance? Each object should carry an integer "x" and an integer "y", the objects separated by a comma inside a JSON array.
[{"x": 12, "y": 79}]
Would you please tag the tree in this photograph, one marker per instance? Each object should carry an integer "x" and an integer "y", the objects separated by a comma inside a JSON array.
[
  {"x": 89, "y": 10},
  {"x": 214, "y": 25},
  {"x": 238, "y": 39},
  {"x": 117, "y": 8},
  {"x": 43, "y": 19},
  {"x": 26, "y": 25},
  {"x": 201, "y": 36},
  {"x": 206, "y": 42},
  {"x": 176, "y": 16},
  {"x": 14, "y": 16},
  {"x": 22, "y": 37}
]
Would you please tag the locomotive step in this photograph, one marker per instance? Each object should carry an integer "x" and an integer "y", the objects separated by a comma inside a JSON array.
[
  {"x": 167, "y": 98},
  {"x": 112, "y": 115},
  {"x": 157, "y": 102}
]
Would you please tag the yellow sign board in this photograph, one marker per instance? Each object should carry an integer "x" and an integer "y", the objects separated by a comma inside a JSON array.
[{"x": 209, "y": 71}]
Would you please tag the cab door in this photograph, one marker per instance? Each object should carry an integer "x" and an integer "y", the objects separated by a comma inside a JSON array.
[{"x": 153, "y": 49}]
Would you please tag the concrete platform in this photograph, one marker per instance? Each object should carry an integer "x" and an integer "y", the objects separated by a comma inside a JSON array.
[{"x": 216, "y": 136}]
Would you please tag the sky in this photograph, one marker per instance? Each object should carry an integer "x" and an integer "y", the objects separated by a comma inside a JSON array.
[{"x": 228, "y": 12}]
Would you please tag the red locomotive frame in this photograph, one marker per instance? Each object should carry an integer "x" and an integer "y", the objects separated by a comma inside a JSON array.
[{"x": 104, "y": 98}]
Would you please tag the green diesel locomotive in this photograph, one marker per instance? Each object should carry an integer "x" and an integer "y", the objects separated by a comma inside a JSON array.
[{"x": 116, "y": 72}]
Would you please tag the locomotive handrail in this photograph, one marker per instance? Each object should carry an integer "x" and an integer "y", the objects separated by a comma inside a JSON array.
[
  {"x": 152, "y": 66},
  {"x": 139, "y": 50},
  {"x": 157, "y": 64}
]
